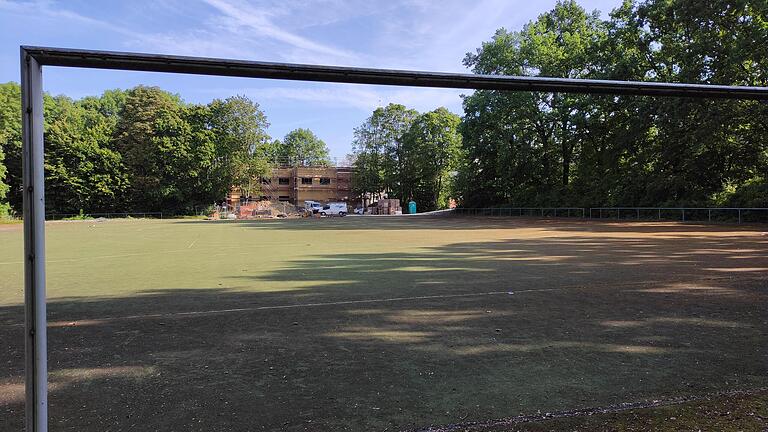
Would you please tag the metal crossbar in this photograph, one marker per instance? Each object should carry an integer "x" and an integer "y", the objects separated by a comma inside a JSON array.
[{"x": 303, "y": 72}]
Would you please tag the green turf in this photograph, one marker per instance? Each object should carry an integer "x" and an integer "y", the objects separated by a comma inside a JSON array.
[{"x": 382, "y": 323}]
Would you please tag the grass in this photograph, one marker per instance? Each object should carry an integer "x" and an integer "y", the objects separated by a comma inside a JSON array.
[{"x": 385, "y": 323}]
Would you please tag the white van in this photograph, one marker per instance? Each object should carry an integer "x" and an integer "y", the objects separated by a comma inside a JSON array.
[
  {"x": 334, "y": 209},
  {"x": 312, "y": 206}
]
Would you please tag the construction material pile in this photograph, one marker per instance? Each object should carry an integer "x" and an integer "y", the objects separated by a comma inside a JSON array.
[
  {"x": 386, "y": 207},
  {"x": 256, "y": 209}
]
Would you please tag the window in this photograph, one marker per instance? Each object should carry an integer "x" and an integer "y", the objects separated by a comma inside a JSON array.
[
  {"x": 325, "y": 181},
  {"x": 266, "y": 181},
  {"x": 326, "y": 207},
  {"x": 284, "y": 181},
  {"x": 306, "y": 180},
  {"x": 284, "y": 198}
]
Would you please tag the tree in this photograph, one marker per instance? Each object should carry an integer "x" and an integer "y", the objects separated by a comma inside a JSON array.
[
  {"x": 504, "y": 133},
  {"x": 242, "y": 146},
  {"x": 4, "y": 206},
  {"x": 137, "y": 150},
  {"x": 378, "y": 149},
  {"x": 166, "y": 157},
  {"x": 82, "y": 171},
  {"x": 431, "y": 153},
  {"x": 10, "y": 147},
  {"x": 553, "y": 149},
  {"x": 301, "y": 147},
  {"x": 700, "y": 151}
]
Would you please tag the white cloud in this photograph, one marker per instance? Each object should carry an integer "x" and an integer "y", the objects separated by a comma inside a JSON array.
[
  {"x": 258, "y": 23},
  {"x": 360, "y": 97},
  {"x": 49, "y": 9}
]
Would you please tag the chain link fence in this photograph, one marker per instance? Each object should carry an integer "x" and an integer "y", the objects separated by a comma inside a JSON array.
[
  {"x": 112, "y": 215},
  {"x": 683, "y": 214},
  {"x": 522, "y": 211}
]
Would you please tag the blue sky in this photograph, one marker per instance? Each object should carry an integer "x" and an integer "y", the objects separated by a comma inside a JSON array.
[{"x": 399, "y": 34}]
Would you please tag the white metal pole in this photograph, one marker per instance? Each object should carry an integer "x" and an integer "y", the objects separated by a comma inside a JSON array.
[{"x": 36, "y": 360}]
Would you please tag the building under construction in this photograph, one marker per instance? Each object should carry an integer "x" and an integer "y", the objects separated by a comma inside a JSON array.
[{"x": 310, "y": 183}]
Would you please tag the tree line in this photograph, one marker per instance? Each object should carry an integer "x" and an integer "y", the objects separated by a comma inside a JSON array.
[
  {"x": 544, "y": 149},
  {"x": 407, "y": 155},
  {"x": 145, "y": 149}
]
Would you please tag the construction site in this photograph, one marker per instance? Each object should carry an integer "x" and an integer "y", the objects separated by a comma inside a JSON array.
[
  {"x": 309, "y": 183},
  {"x": 288, "y": 189}
]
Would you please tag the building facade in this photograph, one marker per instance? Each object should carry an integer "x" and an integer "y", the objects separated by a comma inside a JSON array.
[{"x": 299, "y": 184}]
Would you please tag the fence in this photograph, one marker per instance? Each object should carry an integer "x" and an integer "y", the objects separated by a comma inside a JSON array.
[
  {"x": 523, "y": 211},
  {"x": 709, "y": 214},
  {"x": 141, "y": 215}
]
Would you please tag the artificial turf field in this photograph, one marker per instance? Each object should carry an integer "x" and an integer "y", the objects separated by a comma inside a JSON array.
[{"x": 393, "y": 323}]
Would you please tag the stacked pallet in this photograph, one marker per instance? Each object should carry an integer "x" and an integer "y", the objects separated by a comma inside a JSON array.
[{"x": 387, "y": 207}]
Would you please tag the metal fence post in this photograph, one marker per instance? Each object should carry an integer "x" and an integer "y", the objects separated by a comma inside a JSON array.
[
  {"x": 739, "y": 215},
  {"x": 36, "y": 357},
  {"x": 709, "y": 215},
  {"x": 638, "y": 214},
  {"x": 683, "y": 210}
]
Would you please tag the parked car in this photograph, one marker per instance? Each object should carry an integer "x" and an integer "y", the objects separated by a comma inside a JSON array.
[
  {"x": 334, "y": 209},
  {"x": 359, "y": 210}
]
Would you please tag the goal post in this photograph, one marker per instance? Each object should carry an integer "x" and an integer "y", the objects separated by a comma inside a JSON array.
[
  {"x": 35, "y": 327},
  {"x": 34, "y": 58}
]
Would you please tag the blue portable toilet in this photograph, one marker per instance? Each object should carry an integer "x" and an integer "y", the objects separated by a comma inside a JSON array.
[{"x": 412, "y": 207}]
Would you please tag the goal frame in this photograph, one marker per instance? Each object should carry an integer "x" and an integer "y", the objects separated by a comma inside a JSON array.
[{"x": 34, "y": 58}]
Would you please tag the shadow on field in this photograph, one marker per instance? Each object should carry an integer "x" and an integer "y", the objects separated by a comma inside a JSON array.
[{"x": 508, "y": 327}]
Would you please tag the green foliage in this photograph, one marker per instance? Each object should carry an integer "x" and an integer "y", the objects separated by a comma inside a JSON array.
[
  {"x": 556, "y": 149},
  {"x": 81, "y": 215},
  {"x": 301, "y": 147},
  {"x": 242, "y": 146},
  {"x": 82, "y": 170},
  {"x": 137, "y": 150},
  {"x": 431, "y": 151},
  {"x": 378, "y": 147},
  {"x": 408, "y": 155},
  {"x": 4, "y": 207},
  {"x": 10, "y": 146}
]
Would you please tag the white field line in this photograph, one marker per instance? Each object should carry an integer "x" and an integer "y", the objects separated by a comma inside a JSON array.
[
  {"x": 90, "y": 321},
  {"x": 384, "y": 300},
  {"x": 480, "y": 426}
]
